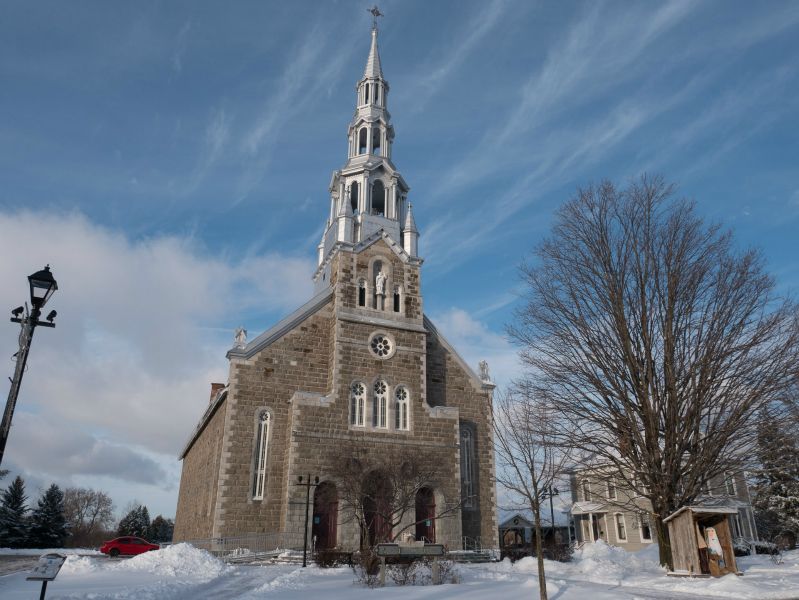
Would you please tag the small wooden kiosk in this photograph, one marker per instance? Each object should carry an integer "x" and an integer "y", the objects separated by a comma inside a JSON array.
[{"x": 701, "y": 543}]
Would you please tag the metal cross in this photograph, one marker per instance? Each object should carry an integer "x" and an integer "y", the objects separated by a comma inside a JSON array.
[{"x": 375, "y": 13}]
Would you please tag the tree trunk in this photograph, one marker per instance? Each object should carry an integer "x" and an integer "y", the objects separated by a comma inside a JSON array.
[
  {"x": 539, "y": 554},
  {"x": 664, "y": 543}
]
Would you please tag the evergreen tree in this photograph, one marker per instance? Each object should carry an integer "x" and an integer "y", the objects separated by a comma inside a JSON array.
[
  {"x": 48, "y": 524},
  {"x": 14, "y": 525},
  {"x": 776, "y": 500},
  {"x": 136, "y": 522},
  {"x": 161, "y": 530}
]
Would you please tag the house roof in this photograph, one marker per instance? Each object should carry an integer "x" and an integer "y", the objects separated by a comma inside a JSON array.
[
  {"x": 703, "y": 510},
  {"x": 583, "y": 508}
]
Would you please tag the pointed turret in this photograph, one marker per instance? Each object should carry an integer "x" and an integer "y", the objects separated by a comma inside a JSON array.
[
  {"x": 373, "y": 70},
  {"x": 410, "y": 234}
]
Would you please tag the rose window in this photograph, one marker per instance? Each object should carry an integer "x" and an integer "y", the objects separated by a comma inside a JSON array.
[
  {"x": 381, "y": 346},
  {"x": 402, "y": 394},
  {"x": 380, "y": 388},
  {"x": 357, "y": 389}
]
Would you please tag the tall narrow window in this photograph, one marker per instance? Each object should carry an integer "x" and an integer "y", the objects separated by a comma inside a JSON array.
[
  {"x": 621, "y": 529},
  {"x": 362, "y": 135},
  {"x": 467, "y": 467},
  {"x": 357, "y": 404},
  {"x": 729, "y": 483},
  {"x": 378, "y": 198},
  {"x": 380, "y": 407},
  {"x": 366, "y": 93},
  {"x": 611, "y": 489},
  {"x": 261, "y": 448},
  {"x": 376, "y": 140},
  {"x": 354, "y": 196},
  {"x": 646, "y": 528},
  {"x": 401, "y": 412},
  {"x": 586, "y": 491},
  {"x": 361, "y": 293},
  {"x": 396, "y": 299}
]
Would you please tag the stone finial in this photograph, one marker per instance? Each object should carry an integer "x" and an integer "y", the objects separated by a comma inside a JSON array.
[
  {"x": 485, "y": 375},
  {"x": 240, "y": 337}
]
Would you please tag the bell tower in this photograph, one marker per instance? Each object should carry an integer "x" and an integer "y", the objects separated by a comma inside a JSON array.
[{"x": 368, "y": 194}]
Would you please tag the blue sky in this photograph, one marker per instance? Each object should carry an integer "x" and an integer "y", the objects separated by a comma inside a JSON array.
[{"x": 171, "y": 160}]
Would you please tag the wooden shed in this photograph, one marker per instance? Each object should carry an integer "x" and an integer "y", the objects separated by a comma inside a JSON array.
[{"x": 701, "y": 543}]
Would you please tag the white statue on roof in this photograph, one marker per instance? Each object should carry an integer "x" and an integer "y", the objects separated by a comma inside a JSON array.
[
  {"x": 484, "y": 373},
  {"x": 380, "y": 283},
  {"x": 240, "y": 337}
]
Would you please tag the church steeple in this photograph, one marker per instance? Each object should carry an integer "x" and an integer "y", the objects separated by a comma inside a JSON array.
[{"x": 368, "y": 194}]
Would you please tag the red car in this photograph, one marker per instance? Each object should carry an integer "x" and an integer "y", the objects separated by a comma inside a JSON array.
[{"x": 127, "y": 545}]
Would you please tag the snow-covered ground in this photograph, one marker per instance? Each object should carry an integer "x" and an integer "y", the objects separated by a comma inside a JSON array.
[{"x": 598, "y": 572}]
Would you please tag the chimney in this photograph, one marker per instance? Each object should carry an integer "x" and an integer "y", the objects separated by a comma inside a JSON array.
[{"x": 215, "y": 387}]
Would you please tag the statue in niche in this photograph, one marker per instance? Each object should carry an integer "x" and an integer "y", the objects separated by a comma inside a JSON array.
[
  {"x": 240, "y": 337},
  {"x": 380, "y": 284},
  {"x": 484, "y": 374}
]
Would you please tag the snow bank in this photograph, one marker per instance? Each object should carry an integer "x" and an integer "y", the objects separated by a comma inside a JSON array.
[
  {"x": 178, "y": 560},
  {"x": 40, "y": 551}
]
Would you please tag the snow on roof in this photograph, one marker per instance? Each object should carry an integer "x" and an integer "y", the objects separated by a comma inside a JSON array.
[{"x": 704, "y": 510}]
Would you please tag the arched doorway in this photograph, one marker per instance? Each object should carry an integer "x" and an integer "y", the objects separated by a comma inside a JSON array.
[
  {"x": 376, "y": 509},
  {"x": 426, "y": 515},
  {"x": 325, "y": 516}
]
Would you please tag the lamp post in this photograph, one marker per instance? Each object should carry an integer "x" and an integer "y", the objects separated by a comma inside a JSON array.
[
  {"x": 308, "y": 485},
  {"x": 42, "y": 285}
]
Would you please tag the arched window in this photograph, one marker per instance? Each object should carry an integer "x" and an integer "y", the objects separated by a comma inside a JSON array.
[
  {"x": 354, "y": 196},
  {"x": 376, "y": 140},
  {"x": 361, "y": 293},
  {"x": 467, "y": 467},
  {"x": 261, "y": 450},
  {"x": 378, "y": 198},
  {"x": 362, "y": 135},
  {"x": 425, "y": 515},
  {"x": 396, "y": 299},
  {"x": 380, "y": 406},
  {"x": 401, "y": 410},
  {"x": 366, "y": 94},
  {"x": 357, "y": 404}
]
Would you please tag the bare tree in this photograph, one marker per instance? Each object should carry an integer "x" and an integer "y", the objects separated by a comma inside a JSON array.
[
  {"x": 89, "y": 515},
  {"x": 655, "y": 338},
  {"x": 380, "y": 491},
  {"x": 529, "y": 462}
]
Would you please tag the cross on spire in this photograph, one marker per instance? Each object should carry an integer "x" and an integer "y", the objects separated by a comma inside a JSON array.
[{"x": 375, "y": 13}]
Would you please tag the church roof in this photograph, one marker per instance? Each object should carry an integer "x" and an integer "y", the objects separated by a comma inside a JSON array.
[
  {"x": 282, "y": 327},
  {"x": 373, "y": 70}
]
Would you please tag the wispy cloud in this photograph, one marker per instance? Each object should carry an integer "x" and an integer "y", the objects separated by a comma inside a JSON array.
[
  {"x": 217, "y": 135},
  {"x": 306, "y": 78},
  {"x": 451, "y": 58},
  {"x": 180, "y": 47}
]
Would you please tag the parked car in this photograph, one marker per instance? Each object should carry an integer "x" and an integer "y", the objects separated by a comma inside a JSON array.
[{"x": 127, "y": 545}]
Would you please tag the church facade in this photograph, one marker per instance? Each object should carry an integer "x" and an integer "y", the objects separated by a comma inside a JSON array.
[{"x": 358, "y": 366}]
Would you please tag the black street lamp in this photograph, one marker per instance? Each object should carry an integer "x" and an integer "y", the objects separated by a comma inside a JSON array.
[
  {"x": 42, "y": 285},
  {"x": 308, "y": 485}
]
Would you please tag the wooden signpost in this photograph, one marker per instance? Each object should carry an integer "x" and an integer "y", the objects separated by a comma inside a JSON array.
[{"x": 46, "y": 570}]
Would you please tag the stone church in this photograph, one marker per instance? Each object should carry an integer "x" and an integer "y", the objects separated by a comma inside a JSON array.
[{"x": 358, "y": 366}]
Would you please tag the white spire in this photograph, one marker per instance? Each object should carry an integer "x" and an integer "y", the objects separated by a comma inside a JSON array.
[
  {"x": 373, "y": 70},
  {"x": 410, "y": 235},
  {"x": 410, "y": 222}
]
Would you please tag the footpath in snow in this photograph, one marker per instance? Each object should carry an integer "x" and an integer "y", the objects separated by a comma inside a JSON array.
[{"x": 597, "y": 572}]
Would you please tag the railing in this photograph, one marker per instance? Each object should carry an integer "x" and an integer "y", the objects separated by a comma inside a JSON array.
[
  {"x": 472, "y": 543},
  {"x": 251, "y": 545}
]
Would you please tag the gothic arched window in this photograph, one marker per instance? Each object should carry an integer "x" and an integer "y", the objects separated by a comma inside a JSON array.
[
  {"x": 467, "y": 466},
  {"x": 402, "y": 407},
  {"x": 378, "y": 198},
  {"x": 376, "y": 140},
  {"x": 354, "y": 196},
  {"x": 380, "y": 405},
  {"x": 362, "y": 135},
  {"x": 357, "y": 404},
  {"x": 261, "y": 454}
]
